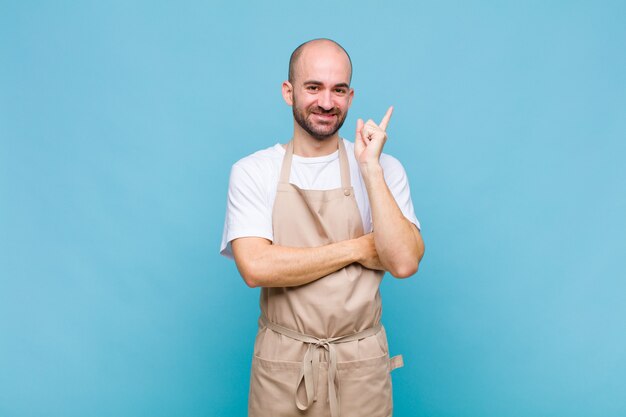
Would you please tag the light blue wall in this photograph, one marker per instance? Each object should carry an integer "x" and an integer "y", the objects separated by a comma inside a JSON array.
[{"x": 118, "y": 125}]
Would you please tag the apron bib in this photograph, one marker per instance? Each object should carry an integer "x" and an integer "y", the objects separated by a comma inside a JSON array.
[{"x": 320, "y": 349}]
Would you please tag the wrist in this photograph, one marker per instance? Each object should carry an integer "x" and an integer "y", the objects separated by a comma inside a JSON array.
[
  {"x": 356, "y": 250},
  {"x": 370, "y": 170}
]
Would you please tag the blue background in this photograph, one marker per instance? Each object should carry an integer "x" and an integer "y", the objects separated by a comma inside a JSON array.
[{"x": 119, "y": 122}]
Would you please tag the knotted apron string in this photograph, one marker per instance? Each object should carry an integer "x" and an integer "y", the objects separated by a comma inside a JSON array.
[{"x": 310, "y": 363}]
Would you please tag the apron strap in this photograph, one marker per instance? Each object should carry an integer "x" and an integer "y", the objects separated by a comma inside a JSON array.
[
  {"x": 285, "y": 170},
  {"x": 344, "y": 166},
  {"x": 310, "y": 363}
]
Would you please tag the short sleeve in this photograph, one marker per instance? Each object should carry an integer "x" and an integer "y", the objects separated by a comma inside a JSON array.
[{"x": 248, "y": 212}]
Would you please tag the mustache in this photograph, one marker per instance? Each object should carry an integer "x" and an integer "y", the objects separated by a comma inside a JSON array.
[{"x": 318, "y": 110}]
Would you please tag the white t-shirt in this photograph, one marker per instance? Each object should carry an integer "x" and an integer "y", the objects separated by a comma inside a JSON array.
[{"x": 254, "y": 179}]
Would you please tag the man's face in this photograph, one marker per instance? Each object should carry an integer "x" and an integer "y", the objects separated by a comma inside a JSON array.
[{"x": 321, "y": 91}]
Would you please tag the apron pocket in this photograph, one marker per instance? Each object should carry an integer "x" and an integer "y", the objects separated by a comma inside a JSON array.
[
  {"x": 365, "y": 387},
  {"x": 272, "y": 388}
]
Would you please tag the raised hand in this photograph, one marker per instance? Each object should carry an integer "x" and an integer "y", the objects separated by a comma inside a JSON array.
[{"x": 370, "y": 139}]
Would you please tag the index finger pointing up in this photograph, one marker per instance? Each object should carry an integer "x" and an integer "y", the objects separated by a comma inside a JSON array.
[{"x": 386, "y": 117}]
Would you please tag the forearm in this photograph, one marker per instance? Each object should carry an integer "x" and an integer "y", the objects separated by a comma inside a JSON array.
[
  {"x": 267, "y": 265},
  {"x": 397, "y": 241}
]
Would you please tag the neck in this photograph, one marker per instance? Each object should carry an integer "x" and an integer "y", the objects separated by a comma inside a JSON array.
[{"x": 307, "y": 146}]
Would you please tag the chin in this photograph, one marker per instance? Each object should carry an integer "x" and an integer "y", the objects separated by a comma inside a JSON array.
[{"x": 322, "y": 136}]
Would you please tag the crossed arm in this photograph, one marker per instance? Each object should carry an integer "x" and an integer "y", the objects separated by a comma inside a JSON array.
[
  {"x": 395, "y": 245},
  {"x": 262, "y": 264}
]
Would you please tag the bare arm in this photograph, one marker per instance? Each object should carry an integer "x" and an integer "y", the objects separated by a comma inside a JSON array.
[
  {"x": 398, "y": 242},
  {"x": 262, "y": 264}
]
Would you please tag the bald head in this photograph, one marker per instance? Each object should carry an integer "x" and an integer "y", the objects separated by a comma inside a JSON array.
[{"x": 315, "y": 44}]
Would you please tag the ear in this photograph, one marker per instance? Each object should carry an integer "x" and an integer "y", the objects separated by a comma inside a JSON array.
[
  {"x": 350, "y": 97},
  {"x": 288, "y": 92}
]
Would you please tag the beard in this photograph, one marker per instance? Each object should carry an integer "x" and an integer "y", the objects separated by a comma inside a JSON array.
[{"x": 318, "y": 131}]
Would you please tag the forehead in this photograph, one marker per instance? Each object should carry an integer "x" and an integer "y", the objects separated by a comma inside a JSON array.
[{"x": 324, "y": 62}]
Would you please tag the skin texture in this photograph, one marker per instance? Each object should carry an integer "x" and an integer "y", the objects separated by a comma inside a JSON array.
[{"x": 320, "y": 96}]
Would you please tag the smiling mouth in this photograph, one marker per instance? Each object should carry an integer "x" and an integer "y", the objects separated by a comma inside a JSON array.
[{"x": 325, "y": 116}]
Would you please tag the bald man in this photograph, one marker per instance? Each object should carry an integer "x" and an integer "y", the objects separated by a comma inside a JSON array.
[{"x": 315, "y": 223}]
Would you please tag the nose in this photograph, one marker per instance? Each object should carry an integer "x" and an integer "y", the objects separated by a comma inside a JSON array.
[{"x": 325, "y": 100}]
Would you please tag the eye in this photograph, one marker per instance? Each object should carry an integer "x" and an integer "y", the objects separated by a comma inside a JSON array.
[
  {"x": 312, "y": 88},
  {"x": 340, "y": 91}
]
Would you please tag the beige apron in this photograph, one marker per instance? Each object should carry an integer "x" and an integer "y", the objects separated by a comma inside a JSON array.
[{"x": 320, "y": 349}]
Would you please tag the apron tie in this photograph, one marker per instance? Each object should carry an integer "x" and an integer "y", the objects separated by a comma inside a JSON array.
[{"x": 309, "y": 373}]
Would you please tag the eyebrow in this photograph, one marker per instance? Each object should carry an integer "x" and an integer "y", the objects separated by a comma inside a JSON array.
[{"x": 314, "y": 82}]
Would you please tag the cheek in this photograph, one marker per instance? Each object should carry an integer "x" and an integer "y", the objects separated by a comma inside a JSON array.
[{"x": 345, "y": 104}]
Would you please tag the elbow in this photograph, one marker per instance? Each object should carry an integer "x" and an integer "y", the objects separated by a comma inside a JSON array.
[
  {"x": 250, "y": 275},
  {"x": 254, "y": 279},
  {"x": 252, "y": 262},
  {"x": 406, "y": 263},
  {"x": 410, "y": 265},
  {"x": 250, "y": 281},
  {"x": 405, "y": 269}
]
